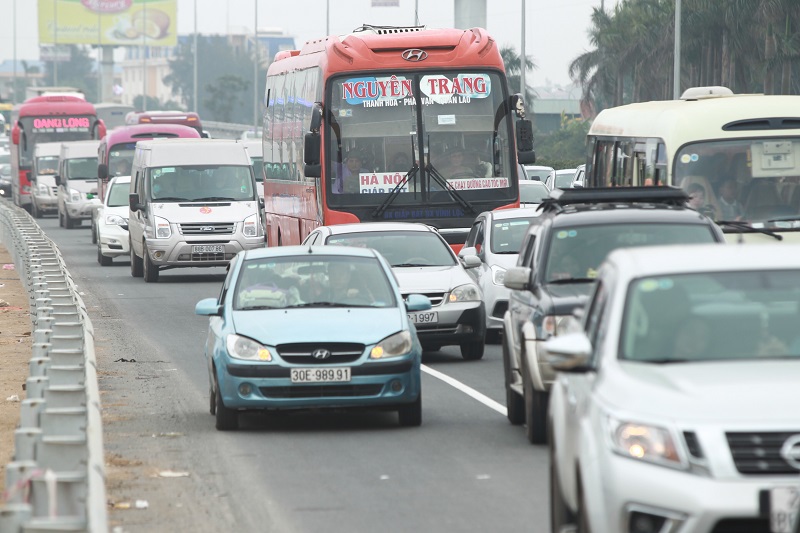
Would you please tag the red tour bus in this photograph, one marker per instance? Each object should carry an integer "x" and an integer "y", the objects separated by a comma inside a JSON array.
[
  {"x": 401, "y": 124},
  {"x": 45, "y": 119},
  {"x": 184, "y": 118},
  {"x": 115, "y": 153}
]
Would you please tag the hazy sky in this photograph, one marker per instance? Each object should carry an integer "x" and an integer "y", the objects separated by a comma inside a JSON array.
[{"x": 555, "y": 29}]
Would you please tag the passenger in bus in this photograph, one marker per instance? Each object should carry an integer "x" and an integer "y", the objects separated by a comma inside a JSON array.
[
  {"x": 455, "y": 166},
  {"x": 697, "y": 199},
  {"x": 728, "y": 204},
  {"x": 122, "y": 167},
  {"x": 347, "y": 179}
]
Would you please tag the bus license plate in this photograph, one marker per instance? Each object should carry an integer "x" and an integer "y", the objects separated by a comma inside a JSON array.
[
  {"x": 784, "y": 507},
  {"x": 320, "y": 375},
  {"x": 431, "y": 317},
  {"x": 208, "y": 249}
]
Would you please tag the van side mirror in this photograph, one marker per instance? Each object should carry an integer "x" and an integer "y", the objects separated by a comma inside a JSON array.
[
  {"x": 102, "y": 172},
  {"x": 31, "y": 178},
  {"x": 58, "y": 180},
  {"x": 133, "y": 202}
]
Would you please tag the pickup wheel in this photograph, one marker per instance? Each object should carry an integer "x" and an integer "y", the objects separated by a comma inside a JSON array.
[
  {"x": 103, "y": 260},
  {"x": 137, "y": 265},
  {"x": 560, "y": 514},
  {"x": 515, "y": 404},
  {"x": 150, "y": 271},
  {"x": 94, "y": 233},
  {"x": 535, "y": 411}
]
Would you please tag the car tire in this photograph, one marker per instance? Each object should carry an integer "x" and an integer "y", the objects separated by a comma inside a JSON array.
[
  {"x": 560, "y": 514},
  {"x": 226, "y": 419},
  {"x": 68, "y": 222},
  {"x": 582, "y": 519},
  {"x": 150, "y": 271},
  {"x": 103, "y": 260},
  {"x": 35, "y": 210},
  {"x": 535, "y": 411},
  {"x": 60, "y": 219},
  {"x": 515, "y": 404},
  {"x": 212, "y": 401},
  {"x": 94, "y": 233},
  {"x": 431, "y": 347},
  {"x": 493, "y": 336},
  {"x": 137, "y": 266},
  {"x": 472, "y": 351},
  {"x": 410, "y": 415}
]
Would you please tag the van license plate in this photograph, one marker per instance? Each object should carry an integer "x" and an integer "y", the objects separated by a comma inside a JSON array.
[
  {"x": 431, "y": 317},
  {"x": 784, "y": 503},
  {"x": 320, "y": 375},
  {"x": 208, "y": 249}
]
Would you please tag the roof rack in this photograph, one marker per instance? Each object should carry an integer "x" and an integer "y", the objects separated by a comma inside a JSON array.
[{"x": 597, "y": 195}]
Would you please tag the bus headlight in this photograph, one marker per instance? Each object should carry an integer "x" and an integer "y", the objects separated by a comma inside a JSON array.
[
  {"x": 465, "y": 293},
  {"x": 162, "y": 229},
  {"x": 251, "y": 226},
  {"x": 74, "y": 195}
]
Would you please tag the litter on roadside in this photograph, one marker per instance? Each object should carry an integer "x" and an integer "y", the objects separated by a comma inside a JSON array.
[
  {"x": 13, "y": 398},
  {"x": 172, "y": 473}
]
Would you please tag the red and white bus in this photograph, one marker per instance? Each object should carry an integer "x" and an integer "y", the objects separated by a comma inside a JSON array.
[
  {"x": 400, "y": 101},
  {"x": 45, "y": 119}
]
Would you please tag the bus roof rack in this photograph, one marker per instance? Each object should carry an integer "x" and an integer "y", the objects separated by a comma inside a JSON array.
[
  {"x": 386, "y": 30},
  {"x": 653, "y": 195}
]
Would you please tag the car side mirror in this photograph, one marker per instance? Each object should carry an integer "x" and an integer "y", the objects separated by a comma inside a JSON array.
[
  {"x": 58, "y": 180},
  {"x": 133, "y": 202},
  {"x": 417, "y": 302},
  {"x": 468, "y": 250},
  {"x": 471, "y": 261},
  {"x": 208, "y": 307},
  {"x": 518, "y": 278},
  {"x": 568, "y": 353}
]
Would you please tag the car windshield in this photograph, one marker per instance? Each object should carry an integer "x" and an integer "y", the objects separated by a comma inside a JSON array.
[
  {"x": 118, "y": 195},
  {"x": 564, "y": 179},
  {"x": 533, "y": 192},
  {"x": 312, "y": 281},
  {"x": 82, "y": 168},
  {"x": 539, "y": 174},
  {"x": 751, "y": 180},
  {"x": 507, "y": 234},
  {"x": 201, "y": 183},
  {"x": 712, "y": 316},
  {"x": 47, "y": 164},
  {"x": 576, "y": 252},
  {"x": 401, "y": 248}
]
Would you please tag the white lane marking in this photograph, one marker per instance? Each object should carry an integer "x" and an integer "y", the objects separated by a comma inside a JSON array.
[{"x": 469, "y": 391}]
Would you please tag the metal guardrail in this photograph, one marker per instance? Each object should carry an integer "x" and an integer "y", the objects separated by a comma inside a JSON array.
[
  {"x": 226, "y": 130},
  {"x": 56, "y": 480}
]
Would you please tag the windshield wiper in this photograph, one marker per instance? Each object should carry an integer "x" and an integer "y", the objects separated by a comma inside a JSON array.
[
  {"x": 171, "y": 199},
  {"x": 570, "y": 280},
  {"x": 403, "y": 265},
  {"x": 214, "y": 199},
  {"x": 664, "y": 361},
  {"x": 454, "y": 194},
  {"x": 787, "y": 218},
  {"x": 410, "y": 175},
  {"x": 319, "y": 304},
  {"x": 741, "y": 225},
  {"x": 257, "y": 307},
  {"x": 507, "y": 252}
]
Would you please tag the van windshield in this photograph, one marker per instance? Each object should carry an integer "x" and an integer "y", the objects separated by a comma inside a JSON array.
[{"x": 195, "y": 183}]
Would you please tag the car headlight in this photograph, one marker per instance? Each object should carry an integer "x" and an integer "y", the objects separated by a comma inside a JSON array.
[
  {"x": 555, "y": 325},
  {"x": 392, "y": 346},
  {"x": 43, "y": 190},
  {"x": 115, "y": 220},
  {"x": 252, "y": 228},
  {"x": 644, "y": 442},
  {"x": 74, "y": 195},
  {"x": 465, "y": 293},
  {"x": 162, "y": 229},
  {"x": 498, "y": 274},
  {"x": 243, "y": 348}
]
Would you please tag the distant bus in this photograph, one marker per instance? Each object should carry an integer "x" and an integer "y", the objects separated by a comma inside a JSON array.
[
  {"x": 115, "y": 154},
  {"x": 47, "y": 119},
  {"x": 742, "y": 151},
  {"x": 184, "y": 118},
  {"x": 394, "y": 103},
  {"x": 112, "y": 114}
]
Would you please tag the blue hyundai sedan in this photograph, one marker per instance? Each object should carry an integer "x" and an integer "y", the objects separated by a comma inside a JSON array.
[{"x": 298, "y": 327}]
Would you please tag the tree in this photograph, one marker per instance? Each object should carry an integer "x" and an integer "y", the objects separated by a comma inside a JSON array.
[
  {"x": 77, "y": 72},
  {"x": 513, "y": 66},
  {"x": 224, "y": 96},
  {"x": 154, "y": 104}
]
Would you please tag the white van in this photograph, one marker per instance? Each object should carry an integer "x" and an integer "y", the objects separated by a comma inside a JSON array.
[
  {"x": 193, "y": 203},
  {"x": 44, "y": 192},
  {"x": 77, "y": 182}
]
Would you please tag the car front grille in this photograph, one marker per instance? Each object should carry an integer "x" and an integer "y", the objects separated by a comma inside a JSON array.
[
  {"x": 500, "y": 308},
  {"x": 760, "y": 453},
  {"x": 211, "y": 228},
  {"x": 436, "y": 298},
  {"x": 431, "y": 329},
  {"x": 301, "y": 353},
  {"x": 203, "y": 258},
  {"x": 322, "y": 391}
]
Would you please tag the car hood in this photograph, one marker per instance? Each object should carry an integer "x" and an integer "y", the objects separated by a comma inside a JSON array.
[
  {"x": 430, "y": 279},
  {"x": 720, "y": 391},
  {"x": 566, "y": 297},
  {"x": 84, "y": 185},
  {"x": 503, "y": 260},
  {"x": 48, "y": 180},
  {"x": 341, "y": 324},
  {"x": 121, "y": 210},
  {"x": 201, "y": 212}
]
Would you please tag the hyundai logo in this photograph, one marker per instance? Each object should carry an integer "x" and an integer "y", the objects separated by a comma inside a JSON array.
[
  {"x": 790, "y": 451},
  {"x": 414, "y": 54},
  {"x": 206, "y": 228},
  {"x": 321, "y": 353}
]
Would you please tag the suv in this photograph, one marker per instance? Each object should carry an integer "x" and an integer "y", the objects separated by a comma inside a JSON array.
[{"x": 556, "y": 270}]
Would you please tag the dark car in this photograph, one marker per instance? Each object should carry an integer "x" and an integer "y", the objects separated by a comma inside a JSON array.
[{"x": 557, "y": 267}]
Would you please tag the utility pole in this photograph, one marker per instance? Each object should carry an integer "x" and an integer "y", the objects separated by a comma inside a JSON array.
[
  {"x": 194, "y": 68},
  {"x": 255, "y": 73},
  {"x": 14, "y": 29},
  {"x": 99, "y": 58},
  {"x": 144, "y": 62},
  {"x": 327, "y": 17},
  {"x": 416, "y": 12},
  {"x": 522, "y": 57},
  {"x": 676, "y": 71},
  {"x": 55, "y": 46}
]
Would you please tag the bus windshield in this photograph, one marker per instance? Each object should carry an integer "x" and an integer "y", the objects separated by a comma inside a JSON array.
[
  {"x": 120, "y": 159},
  {"x": 193, "y": 183},
  {"x": 378, "y": 133},
  {"x": 61, "y": 128},
  {"x": 754, "y": 180}
]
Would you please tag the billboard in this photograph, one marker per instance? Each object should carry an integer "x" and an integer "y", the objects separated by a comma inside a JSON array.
[{"x": 109, "y": 22}]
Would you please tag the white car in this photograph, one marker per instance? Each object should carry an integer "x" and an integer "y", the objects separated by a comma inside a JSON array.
[
  {"x": 675, "y": 404},
  {"x": 537, "y": 172},
  {"x": 111, "y": 221},
  {"x": 532, "y": 193},
  {"x": 560, "y": 179}
]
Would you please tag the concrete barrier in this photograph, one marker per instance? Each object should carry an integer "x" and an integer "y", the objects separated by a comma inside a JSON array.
[{"x": 56, "y": 480}]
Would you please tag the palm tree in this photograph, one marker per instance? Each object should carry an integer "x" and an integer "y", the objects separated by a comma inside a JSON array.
[{"x": 513, "y": 65}]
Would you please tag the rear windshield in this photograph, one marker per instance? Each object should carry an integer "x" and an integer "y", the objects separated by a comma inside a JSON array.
[
  {"x": 401, "y": 248},
  {"x": 507, "y": 235}
]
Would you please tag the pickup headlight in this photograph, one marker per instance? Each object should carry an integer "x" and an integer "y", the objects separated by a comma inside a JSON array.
[
  {"x": 465, "y": 293},
  {"x": 498, "y": 274},
  {"x": 161, "y": 228},
  {"x": 115, "y": 220},
  {"x": 252, "y": 228},
  {"x": 74, "y": 195},
  {"x": 43, "y": 190},
  {"x": 644, "y": 442},
  {"x": 555, "y": 325},
  {"x": 243, "y": 348},
  {"x": 392, "y": 346}
]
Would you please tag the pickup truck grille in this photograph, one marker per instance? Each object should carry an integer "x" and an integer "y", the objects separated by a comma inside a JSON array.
[
  {"x": 212, "y": 228},
  {"x": 760, "y": 453}
]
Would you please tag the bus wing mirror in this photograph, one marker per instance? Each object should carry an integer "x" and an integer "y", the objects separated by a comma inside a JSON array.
[
  {"x": 101, "y": 129},
  {"x": 313, "y": 171},
  {"x": 102, "y": 172},
  {"x": 524, "y": 135},
  {"x": 30, "y": 176},
  {"x": 311, "y": 148},
  {"x": 316, "y": 117},
  {"x": 15, "y": 134},
  {"x": 526, "y": 158}
]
